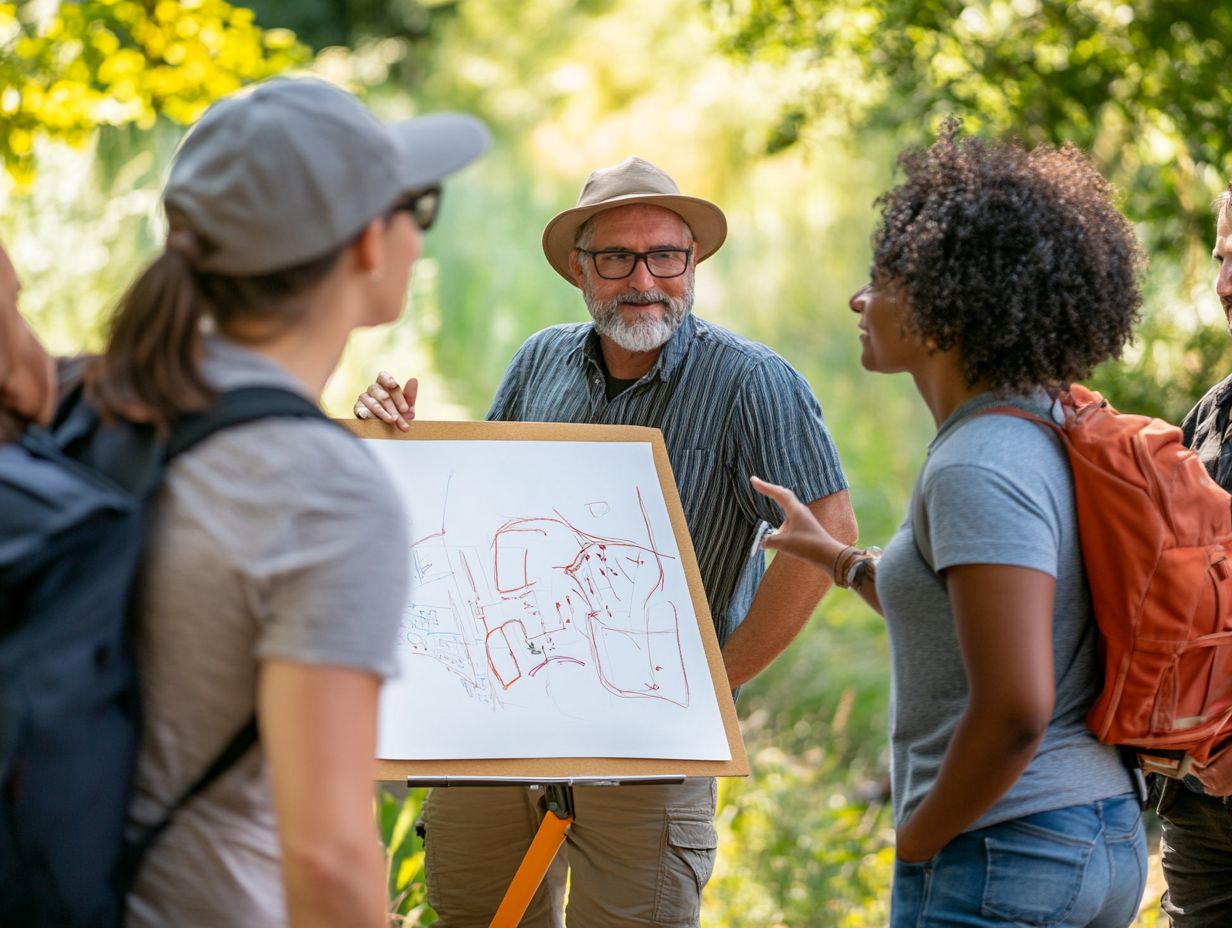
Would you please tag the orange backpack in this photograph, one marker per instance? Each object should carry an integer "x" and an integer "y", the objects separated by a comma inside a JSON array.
[{"x": 1156, "y": 535}]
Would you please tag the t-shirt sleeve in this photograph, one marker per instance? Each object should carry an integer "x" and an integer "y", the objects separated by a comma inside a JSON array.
[
  {"x": 333, "y": 590},
  {"x": 779, "y": 435},
  {"x": 985, "y": 515}
]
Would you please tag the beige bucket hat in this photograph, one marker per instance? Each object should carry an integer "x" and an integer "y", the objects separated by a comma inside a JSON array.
[{"x": 634, "y": 180}]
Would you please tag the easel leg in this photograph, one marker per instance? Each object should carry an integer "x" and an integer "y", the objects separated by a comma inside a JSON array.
[{"x": 538, "y": 857}]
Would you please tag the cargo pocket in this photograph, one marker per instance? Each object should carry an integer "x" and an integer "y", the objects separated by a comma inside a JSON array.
[{"x": 686, "y": 863}]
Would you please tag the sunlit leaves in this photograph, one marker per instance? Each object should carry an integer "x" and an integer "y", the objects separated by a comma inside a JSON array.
[
  {"x": 1142, "y": 82},
  {"x": 83, "y": 65},
  {"x": 404, "y": 858}
]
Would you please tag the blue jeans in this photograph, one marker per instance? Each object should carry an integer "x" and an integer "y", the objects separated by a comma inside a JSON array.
[{"x": 1082, "y": 865}]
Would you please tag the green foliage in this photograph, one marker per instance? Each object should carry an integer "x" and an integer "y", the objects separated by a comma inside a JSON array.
[
  {"x": 824, "y": 852},
  {"x": 1141, "y": 84},
  {"x": 1168, "y": 372},
  {"x": 404, "y": 858},
  {"x": 123, "y": 62},
  {"x": 807, "y": 840},
  {"x": 79, "y": 235},
  {"x": 348, "y": 22}
]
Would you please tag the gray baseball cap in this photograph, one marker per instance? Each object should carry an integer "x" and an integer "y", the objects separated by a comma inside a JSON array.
[{"x": 290, "y": 169}]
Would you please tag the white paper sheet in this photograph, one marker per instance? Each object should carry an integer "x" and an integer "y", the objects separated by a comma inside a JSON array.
[{"x": 549, "y": 614}]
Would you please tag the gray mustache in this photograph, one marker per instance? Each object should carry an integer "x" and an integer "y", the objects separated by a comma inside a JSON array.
[{"x": 643, "y": 297}]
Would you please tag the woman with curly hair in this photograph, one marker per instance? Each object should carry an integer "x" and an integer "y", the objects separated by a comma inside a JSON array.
[{"x": 999, "y": 275}]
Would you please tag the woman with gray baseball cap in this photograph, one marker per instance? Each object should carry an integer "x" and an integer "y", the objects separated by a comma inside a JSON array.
[{"x": 294, "y": 218}]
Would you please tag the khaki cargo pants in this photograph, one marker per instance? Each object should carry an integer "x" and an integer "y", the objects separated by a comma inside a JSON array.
[{"x": 635, "y": 855}]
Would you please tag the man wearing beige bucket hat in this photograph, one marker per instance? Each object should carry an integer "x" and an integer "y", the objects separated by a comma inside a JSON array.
[{"x": 728, "y": 408}]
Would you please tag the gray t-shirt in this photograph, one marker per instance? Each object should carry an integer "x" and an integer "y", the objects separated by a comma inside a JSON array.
[
  {"x": 261, "y": 546},
  {"x": 996, "y": 490}
]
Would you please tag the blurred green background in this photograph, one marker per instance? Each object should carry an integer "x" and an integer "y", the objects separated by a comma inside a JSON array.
[{"x": 788, "y": 113}]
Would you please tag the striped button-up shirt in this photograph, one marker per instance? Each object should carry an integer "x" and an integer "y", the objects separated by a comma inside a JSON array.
[
  {"x": 728, "y": 408},
  {"x": 1207, "y": 429}
]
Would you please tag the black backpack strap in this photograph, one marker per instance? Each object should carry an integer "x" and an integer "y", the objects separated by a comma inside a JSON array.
[
  {"x": 237, "y": 407},
  {"x": 127, "y": 453},
  {"x": 919, "y": 520},
  {"x": 142, "y": 837},
  {"x": 133, "y": 455}
]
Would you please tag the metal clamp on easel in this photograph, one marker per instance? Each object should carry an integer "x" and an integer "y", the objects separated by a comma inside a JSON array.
[{"x": 558, "y": 795}]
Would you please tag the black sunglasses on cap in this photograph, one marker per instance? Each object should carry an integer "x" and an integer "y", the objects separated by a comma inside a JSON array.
[{"x": 423, "y": 207}]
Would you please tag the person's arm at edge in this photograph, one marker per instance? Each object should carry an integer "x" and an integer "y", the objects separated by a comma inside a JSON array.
[
  {"x": 1012, "y": 690},
  {"x": 787, "y": 596},
  {"x": 318, "y": 731}
]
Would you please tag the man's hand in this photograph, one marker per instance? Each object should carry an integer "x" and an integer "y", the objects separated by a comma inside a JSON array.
[
  {"x": 1216, "y": 777},
  {"x": 387, "y": 400}
]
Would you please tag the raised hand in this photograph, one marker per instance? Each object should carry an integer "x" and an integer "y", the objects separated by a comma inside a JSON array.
[{"x": 800, "y": 535}]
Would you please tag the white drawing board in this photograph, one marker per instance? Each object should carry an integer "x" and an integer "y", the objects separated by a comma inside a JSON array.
[{"x": 556, "y": 624}]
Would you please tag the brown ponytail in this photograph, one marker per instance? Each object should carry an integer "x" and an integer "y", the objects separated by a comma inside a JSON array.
[{"x": 150, "y": 370}]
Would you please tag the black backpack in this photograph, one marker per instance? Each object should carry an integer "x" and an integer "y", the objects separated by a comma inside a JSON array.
[{"x": 72, "y": 504}]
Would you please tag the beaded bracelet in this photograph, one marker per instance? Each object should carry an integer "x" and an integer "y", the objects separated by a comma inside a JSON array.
[
  {"x": 853, "y": 566},
  {"x": 838, "y": 559}
]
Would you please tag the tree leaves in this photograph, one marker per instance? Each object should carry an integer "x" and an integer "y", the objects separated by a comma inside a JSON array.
[
  {"x": 1141, "y": 84},
  {"x": 123, "y": 62}
]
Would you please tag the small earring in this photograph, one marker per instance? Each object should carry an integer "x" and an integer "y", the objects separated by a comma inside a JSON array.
[{"x": 376, "y": 275}]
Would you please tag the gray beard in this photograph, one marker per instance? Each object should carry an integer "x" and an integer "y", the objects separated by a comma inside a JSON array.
[{"x": 643, "y": 334}]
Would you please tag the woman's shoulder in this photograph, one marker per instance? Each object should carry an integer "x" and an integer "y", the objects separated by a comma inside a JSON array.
[
  {"x": 317, "y": 446},
  {"x": 999, "y": 441},
  {"x": 1000, "y": 460},
  {"x": 289, "y": 464}
]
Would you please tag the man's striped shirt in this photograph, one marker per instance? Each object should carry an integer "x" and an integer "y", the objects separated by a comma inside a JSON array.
[{"x": 729, "y": 408}]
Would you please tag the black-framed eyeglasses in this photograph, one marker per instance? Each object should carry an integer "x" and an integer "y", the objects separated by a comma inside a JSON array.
[
  {"x": 616, "y": 264},
  {"x": 423, "y": 207}
]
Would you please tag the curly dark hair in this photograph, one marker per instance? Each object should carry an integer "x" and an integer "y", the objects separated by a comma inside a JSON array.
[{"x": 1019, "y": 258}]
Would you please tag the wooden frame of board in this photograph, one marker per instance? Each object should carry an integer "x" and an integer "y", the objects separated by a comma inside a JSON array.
[{"x": 528, "y": 768}]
